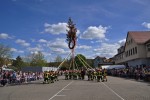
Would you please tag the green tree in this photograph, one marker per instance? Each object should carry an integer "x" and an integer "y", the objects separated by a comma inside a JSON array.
[
  {"x": 18, "y": 63},
  {"x": 65, "y": 65},
  {"x": 37, "y": 59},
  {"x": 79, "y": 61},
  {"x": 5, "y": 54}
]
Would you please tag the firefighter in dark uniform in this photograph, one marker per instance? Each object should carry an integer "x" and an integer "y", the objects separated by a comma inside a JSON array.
[
  {"x": 52, "y": 76},
  {"x": 82, "y": 74},
  {"x": 79, "y": 74},
  {"x": 75, "y": 75},
  {"x": 99, "y": 75},
  {"x": 46, "y": 77},
  {"x": 56, "y": 73},
  {"x": 104, "y": 75},
  {"x": 66, "y": 75},
  {"x": 70, "y": 74},
  {"x": 94, "y": 75},
  {"x": 89, "y": 74}
]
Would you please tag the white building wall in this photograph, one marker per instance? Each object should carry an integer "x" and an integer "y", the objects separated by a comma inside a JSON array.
[
  {"x": 142, "y": 51},
  {"x": 141, "y": 57},
  {"x": 138, "y": 62}
]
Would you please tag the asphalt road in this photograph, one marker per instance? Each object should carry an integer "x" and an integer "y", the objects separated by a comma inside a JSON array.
[{"x": 114, "y": 89}]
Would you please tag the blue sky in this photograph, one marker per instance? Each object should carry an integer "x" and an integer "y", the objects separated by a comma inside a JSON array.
[{"x": 28, "y": 26}]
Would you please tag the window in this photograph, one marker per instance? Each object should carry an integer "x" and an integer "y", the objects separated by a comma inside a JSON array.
[
  {"x": 131, "y": 51},
  {"x": 131, "y": 41},
  {"x": 135, "y": 50},
  {"x": 148, "y": 47},
  {"x": 127, "y": 43},
  {"x": 127, "y": 54}
]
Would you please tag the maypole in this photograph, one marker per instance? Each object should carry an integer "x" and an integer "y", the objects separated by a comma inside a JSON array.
[{"x": 71, "y": 38}]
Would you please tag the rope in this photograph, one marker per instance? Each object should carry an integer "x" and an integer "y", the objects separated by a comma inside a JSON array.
[
  {"x": 76, "y": 65},
  {"x": 70, "y": 65},
  {"x": 82, "y": 62},
  {"x": 85, "y": 61},
  {"x": 64, "y": 60}
]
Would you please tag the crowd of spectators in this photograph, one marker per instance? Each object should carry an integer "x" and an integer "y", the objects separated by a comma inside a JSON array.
[
  {"x": 12, "y": 77},
  {"x": 138, "y": 73}
]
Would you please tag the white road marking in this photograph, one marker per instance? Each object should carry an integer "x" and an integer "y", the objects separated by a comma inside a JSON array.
[
  {"x": 66, "y": 89},
  {"x": 60, "y": 95},
  {"x": 114, "y": 92},
  {"x": 60, "y": 91}
]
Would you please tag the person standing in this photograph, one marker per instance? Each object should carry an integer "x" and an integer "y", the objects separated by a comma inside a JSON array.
[
  {"x": 104, "y": 75},
  {"x": 66, "y": 75},
  {"x": 82, "y": 74},
  {"x": 99, "y": 75},
  {"x": 4, "y": 79}
]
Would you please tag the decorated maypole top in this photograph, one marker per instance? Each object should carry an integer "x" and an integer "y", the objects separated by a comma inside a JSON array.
[{"x": 71, "y": 36}]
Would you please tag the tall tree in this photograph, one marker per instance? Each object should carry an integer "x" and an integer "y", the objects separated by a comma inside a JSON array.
[
  {"x": 37, "y": 59},
  {"x": 79, "y": 60},
  {"x": 5, "y": 54},
  {"x": 18, "y": 63}
]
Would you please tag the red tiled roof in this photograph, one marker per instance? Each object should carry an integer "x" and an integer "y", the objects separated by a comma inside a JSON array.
[{"x": 140, "y": 36}]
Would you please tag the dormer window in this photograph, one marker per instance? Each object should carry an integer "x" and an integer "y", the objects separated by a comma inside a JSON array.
[{"x": 148, "y": 47}]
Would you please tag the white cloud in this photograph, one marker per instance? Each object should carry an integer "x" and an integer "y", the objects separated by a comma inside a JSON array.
[
  {"x": 20, "y": 51},
  {"x": 58, "y": 43},
  {"x": 147, "y": 25},
  {"x": 107, "y": 50},
  {"x": 100, "y": 40},
  {"x": 60, "y": 51},
  {"x": 84, "y": 47},
  {"x": 22, "y": 42},
  {"x": 35, "y": 49},
  {"x": 46, "y": 54},
  {"x": 94, "y": 32},
  {"x": 4, "y": 36},
  {"x": 56, "y": 28},
  {"x": 43, "y": 41},
  {"x": 60, "y": 28},
  {"x": 122, "y": 42},
  {"x": 15, "y": 50}
]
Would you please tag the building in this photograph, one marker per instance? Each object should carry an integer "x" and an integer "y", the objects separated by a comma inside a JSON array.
[
  {"x": 136, "y": 51},
  {"x": 38, "y": 69},
  {"x": 99, "y": 61}
]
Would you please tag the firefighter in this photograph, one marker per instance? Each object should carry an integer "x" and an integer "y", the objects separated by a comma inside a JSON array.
[
  {"x": 74, "y": 74},
  {"x": 66, "y": 75},
  {"x": 46, "y": 77},
  {"x": 99, "y": 75},
  {"x": 94, "y": 75},
  {"x": 56, "y": 75},
  {"x": 89, "y": 74},
  {"x": 52, "y": 77},
  {"x": 79, "y": 74},
  {"x": 70, "y": 74},
  {"x": 104, "y": 75}
]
